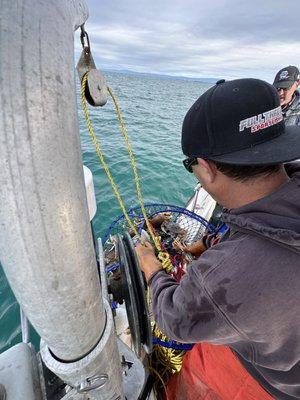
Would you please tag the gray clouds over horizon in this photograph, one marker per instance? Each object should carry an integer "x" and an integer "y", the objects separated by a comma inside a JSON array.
[{"x": 192, "y": 38}]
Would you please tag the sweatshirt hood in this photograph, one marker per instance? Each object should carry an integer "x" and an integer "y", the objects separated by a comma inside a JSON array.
[{"x": 275, "y": 217}]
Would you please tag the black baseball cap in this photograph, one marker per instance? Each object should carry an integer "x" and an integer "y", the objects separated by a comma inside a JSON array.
[
  {"x": 286, "y": 77},
  {"x": 240, "y": 122}
]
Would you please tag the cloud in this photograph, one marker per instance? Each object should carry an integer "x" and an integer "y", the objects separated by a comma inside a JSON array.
[{"x": 221, "y": 38}]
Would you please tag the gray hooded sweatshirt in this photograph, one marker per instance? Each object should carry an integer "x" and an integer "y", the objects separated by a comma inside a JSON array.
[{"x": 245, "y": 292}]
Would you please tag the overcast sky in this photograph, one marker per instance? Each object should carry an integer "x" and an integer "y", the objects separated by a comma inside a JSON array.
[{"x": 196, "y": 38}]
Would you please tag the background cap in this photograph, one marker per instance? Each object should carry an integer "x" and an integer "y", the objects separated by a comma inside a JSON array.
[
  {"x": 240, "y": 122},
  {"x": 286, "y": 77}
]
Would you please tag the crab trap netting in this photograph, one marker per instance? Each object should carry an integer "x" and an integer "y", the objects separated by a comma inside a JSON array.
[
  {"x": 191, "y": 225},
  {"x": 179, "y": 231}
]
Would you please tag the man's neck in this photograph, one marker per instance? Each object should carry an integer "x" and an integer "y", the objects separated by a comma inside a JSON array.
[{"x": 243, "y": 193}]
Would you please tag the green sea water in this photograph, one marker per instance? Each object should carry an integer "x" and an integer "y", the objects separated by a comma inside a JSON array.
[{"x": 153, "y": 109}]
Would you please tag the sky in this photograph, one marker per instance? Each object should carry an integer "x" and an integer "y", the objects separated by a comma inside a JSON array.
[{"x": 195, "y": 38}]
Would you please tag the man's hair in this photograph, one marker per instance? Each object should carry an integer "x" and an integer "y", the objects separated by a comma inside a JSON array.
[{"x": 244, "y": 173}]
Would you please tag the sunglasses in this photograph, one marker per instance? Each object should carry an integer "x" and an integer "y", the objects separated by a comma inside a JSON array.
[
  {"x": 189, "y": 162},
  {"x": 284, "y": 89}
]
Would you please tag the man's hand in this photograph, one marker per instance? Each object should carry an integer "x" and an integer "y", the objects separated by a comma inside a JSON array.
[{"x": 148, "y": 262}]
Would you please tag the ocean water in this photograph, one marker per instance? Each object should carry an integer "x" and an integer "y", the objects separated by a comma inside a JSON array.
[{"x": 153, "y": 109}]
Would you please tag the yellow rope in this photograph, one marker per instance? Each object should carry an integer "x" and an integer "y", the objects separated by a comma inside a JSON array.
[
  {"x": 134, "y": 169},
  {"x": 164, "y": 354},
  {"x": 167, "y": 361},
  {"x": 162, "y": 256},
  {"x": 101, "y": 155}
]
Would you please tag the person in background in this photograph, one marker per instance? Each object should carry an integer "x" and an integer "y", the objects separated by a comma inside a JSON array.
[
  {"x": 286, "y": 82},
  {"x": 239, "y": 301}
]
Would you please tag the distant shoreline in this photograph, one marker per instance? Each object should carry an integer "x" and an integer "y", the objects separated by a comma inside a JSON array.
[{"x": 163, "y": 76}]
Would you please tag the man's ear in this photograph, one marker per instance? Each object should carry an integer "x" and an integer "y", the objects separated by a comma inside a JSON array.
[
  {"x": 298, "y": 83},
  {"x": 208, "y": 170}
]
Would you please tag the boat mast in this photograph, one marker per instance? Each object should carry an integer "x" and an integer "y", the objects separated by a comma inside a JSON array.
[{"x": 46, "y": 244}]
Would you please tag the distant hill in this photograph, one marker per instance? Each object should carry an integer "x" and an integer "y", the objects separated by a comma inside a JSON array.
[{"x": 129, "y": 72}]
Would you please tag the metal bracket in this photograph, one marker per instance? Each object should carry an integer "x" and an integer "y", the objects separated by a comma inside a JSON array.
[
  {"x": 126, "y": 365},
  {"x": 96, "y": 88},
  {"x": 92, "y": 383},
  {"x": 99, "y": 373}
]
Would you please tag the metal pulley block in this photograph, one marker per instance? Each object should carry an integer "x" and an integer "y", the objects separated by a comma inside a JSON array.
[
  {"x": 96, "y": 87},
  {"x": 131, "y": 288}
]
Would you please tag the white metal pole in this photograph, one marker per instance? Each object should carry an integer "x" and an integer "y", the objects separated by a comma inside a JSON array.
[{"x": 46, "y": 245}]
